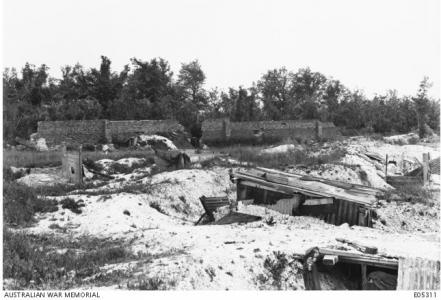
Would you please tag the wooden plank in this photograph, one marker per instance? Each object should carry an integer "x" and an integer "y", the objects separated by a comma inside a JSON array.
[
  {"x": 425, "y": 168},
  {"x": 265, "y": 196},
  {"x": 310, "y": 272},
  {"x": 276, "y": 178},
  {"x": 362, "y": 216},
  {"x": 296, "y": 185},
  {"x": 324, "y": 180},
  {"x": 363, "y": 275},
  {"x": 330, "y": 260},
  {"x": 349, "y": 213},
  {"x": 318, "y": 201},
  {"x": 344, "y": 218},
  {"x": 241, "y": 191},
  {"x": 332, "y": 219},
  {"x": 359, "y": 258},
  {"x": 418, "y": 274},
  {"x": 236, "y": 217},
  {"x": 359, "y": 246}
]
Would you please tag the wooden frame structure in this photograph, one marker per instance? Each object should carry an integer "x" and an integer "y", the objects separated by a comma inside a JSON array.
[
  {"x": 331, "y": 257},
  {"x": 333, "y": 201},
  {"x": 72, "y": 164},
  {"x": 210, "y": 204},
  {"x": 418, "y": 176}
]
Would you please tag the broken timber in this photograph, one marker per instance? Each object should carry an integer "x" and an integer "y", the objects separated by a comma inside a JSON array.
[{"x": 335, "y": 202}]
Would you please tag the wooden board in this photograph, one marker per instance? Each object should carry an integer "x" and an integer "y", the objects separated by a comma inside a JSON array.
[
  {"x": 360, "y": 258},
  {"x": 236, "y": 217},
  {"x": 418, "y": 274},
  {"x": 296, "y": 185},
  {"x": 319, "y": 201}
]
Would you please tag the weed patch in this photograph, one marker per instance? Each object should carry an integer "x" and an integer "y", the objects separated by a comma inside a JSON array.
[
  {"x": 412, "y": 193},
  {"x": 281, "y": 271},
  {"x": 33, "y": 262},
  {"x": 21, "y": 202},
  {"x": 74, "y": 206}
]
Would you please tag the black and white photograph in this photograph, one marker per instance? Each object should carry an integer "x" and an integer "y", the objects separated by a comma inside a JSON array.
[{"x": 234, "y": 146}]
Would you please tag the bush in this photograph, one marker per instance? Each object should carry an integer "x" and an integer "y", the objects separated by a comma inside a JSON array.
[
  {"x": 21, "y": 202},
  {"x": 413, "y": 193},
  {"x": 158, "y": 207},
  {"x": 32, "y": 261},
  {"x": 150, "y": 283},
  {"x": 74, "y": 206},
  {"x": 125, "y": 169}
]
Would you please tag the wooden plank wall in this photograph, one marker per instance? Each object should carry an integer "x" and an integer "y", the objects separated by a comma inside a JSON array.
[
  {"x": 345, "y": 212},
  {"x": 418, "y": 274},
  {"x": 284, "y": 206},
  {"x": 339, "y": 212},
  {"x": 72, "y": 165}
]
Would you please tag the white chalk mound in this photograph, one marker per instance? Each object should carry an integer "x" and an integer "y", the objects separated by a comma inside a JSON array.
[{"x": 157, "y": 142}]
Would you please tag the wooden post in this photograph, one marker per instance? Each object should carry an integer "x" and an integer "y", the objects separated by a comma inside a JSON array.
[
  {"x": 385, "y": 171},
  {"x": 80, "y": 164},
  {"x": 363, "y": 276},
  {"x": 310, "y": 273},
  {"x": 265, "y": 196},
  {"x": 425, "y": 168},
  {"x": 63, "y": 157},
  {"x": 402, "y": 163},
  {"x": 241, "y": 192}
]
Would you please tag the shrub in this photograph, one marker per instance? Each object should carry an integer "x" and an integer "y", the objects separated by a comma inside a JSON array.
[
  {"x": 276, "y": 266},
  {"x": 413, "y": 193},
  {"x": 125, "y": 169},
  {"x": 32, "y": 262},
  {"x": 150, "y": 283},
  {"x": 158, "y": 207},
  {"x": 74, "y": 206},
  {"x": 21, "y": 202},
  {"x": 280, "y": 269}
]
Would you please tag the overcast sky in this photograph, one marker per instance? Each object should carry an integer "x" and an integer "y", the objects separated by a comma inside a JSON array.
[{"x": 371, "y": 45}]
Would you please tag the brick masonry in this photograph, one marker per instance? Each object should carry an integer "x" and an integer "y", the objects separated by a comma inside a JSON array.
[
  {"x": 122, "y": 130},
  {"x": 72, "y": 132},
  {"x": 215, "y": 130},
  {"x": 101, "y": 131}
]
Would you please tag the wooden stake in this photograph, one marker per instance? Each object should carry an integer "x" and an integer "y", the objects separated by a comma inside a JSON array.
[
  {"x": 425, "y": 168},
  {"x": 363, "y": 276},
  {"x": 385, "y": 172}
]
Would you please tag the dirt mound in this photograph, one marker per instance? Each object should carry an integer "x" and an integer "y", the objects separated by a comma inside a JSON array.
[{"x": 156, "y": 142}]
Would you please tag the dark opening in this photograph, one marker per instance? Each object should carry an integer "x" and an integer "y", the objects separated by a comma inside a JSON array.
[
  {"x": 349, "y": 274},
  {"x": 72, "y": 170}
]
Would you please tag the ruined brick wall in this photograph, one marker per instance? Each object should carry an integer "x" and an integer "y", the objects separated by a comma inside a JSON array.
[
  {"x": 330, "y": 131},
  {"x": 100, "y": 131},
  {"x": 72, "y": 132},
  {"x": 120, "y": 131},
  {"x": 279, "y": 129},
  {"x": 214, "y": 130}
]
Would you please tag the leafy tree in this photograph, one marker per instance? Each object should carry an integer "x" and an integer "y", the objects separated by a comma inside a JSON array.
[
  {"x": 191, "y": 79},
  {"x": 149, "y": 80},
  {"x": 105, "y": 84},
  {"x": 275, "y": 88},
  {"x": 422, "y": 106},
  {"x": 433, "y": 115},
  {"x": 78, "y": 109}
]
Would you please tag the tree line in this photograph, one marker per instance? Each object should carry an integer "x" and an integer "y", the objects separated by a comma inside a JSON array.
[{"x": 150, "y": 90}]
